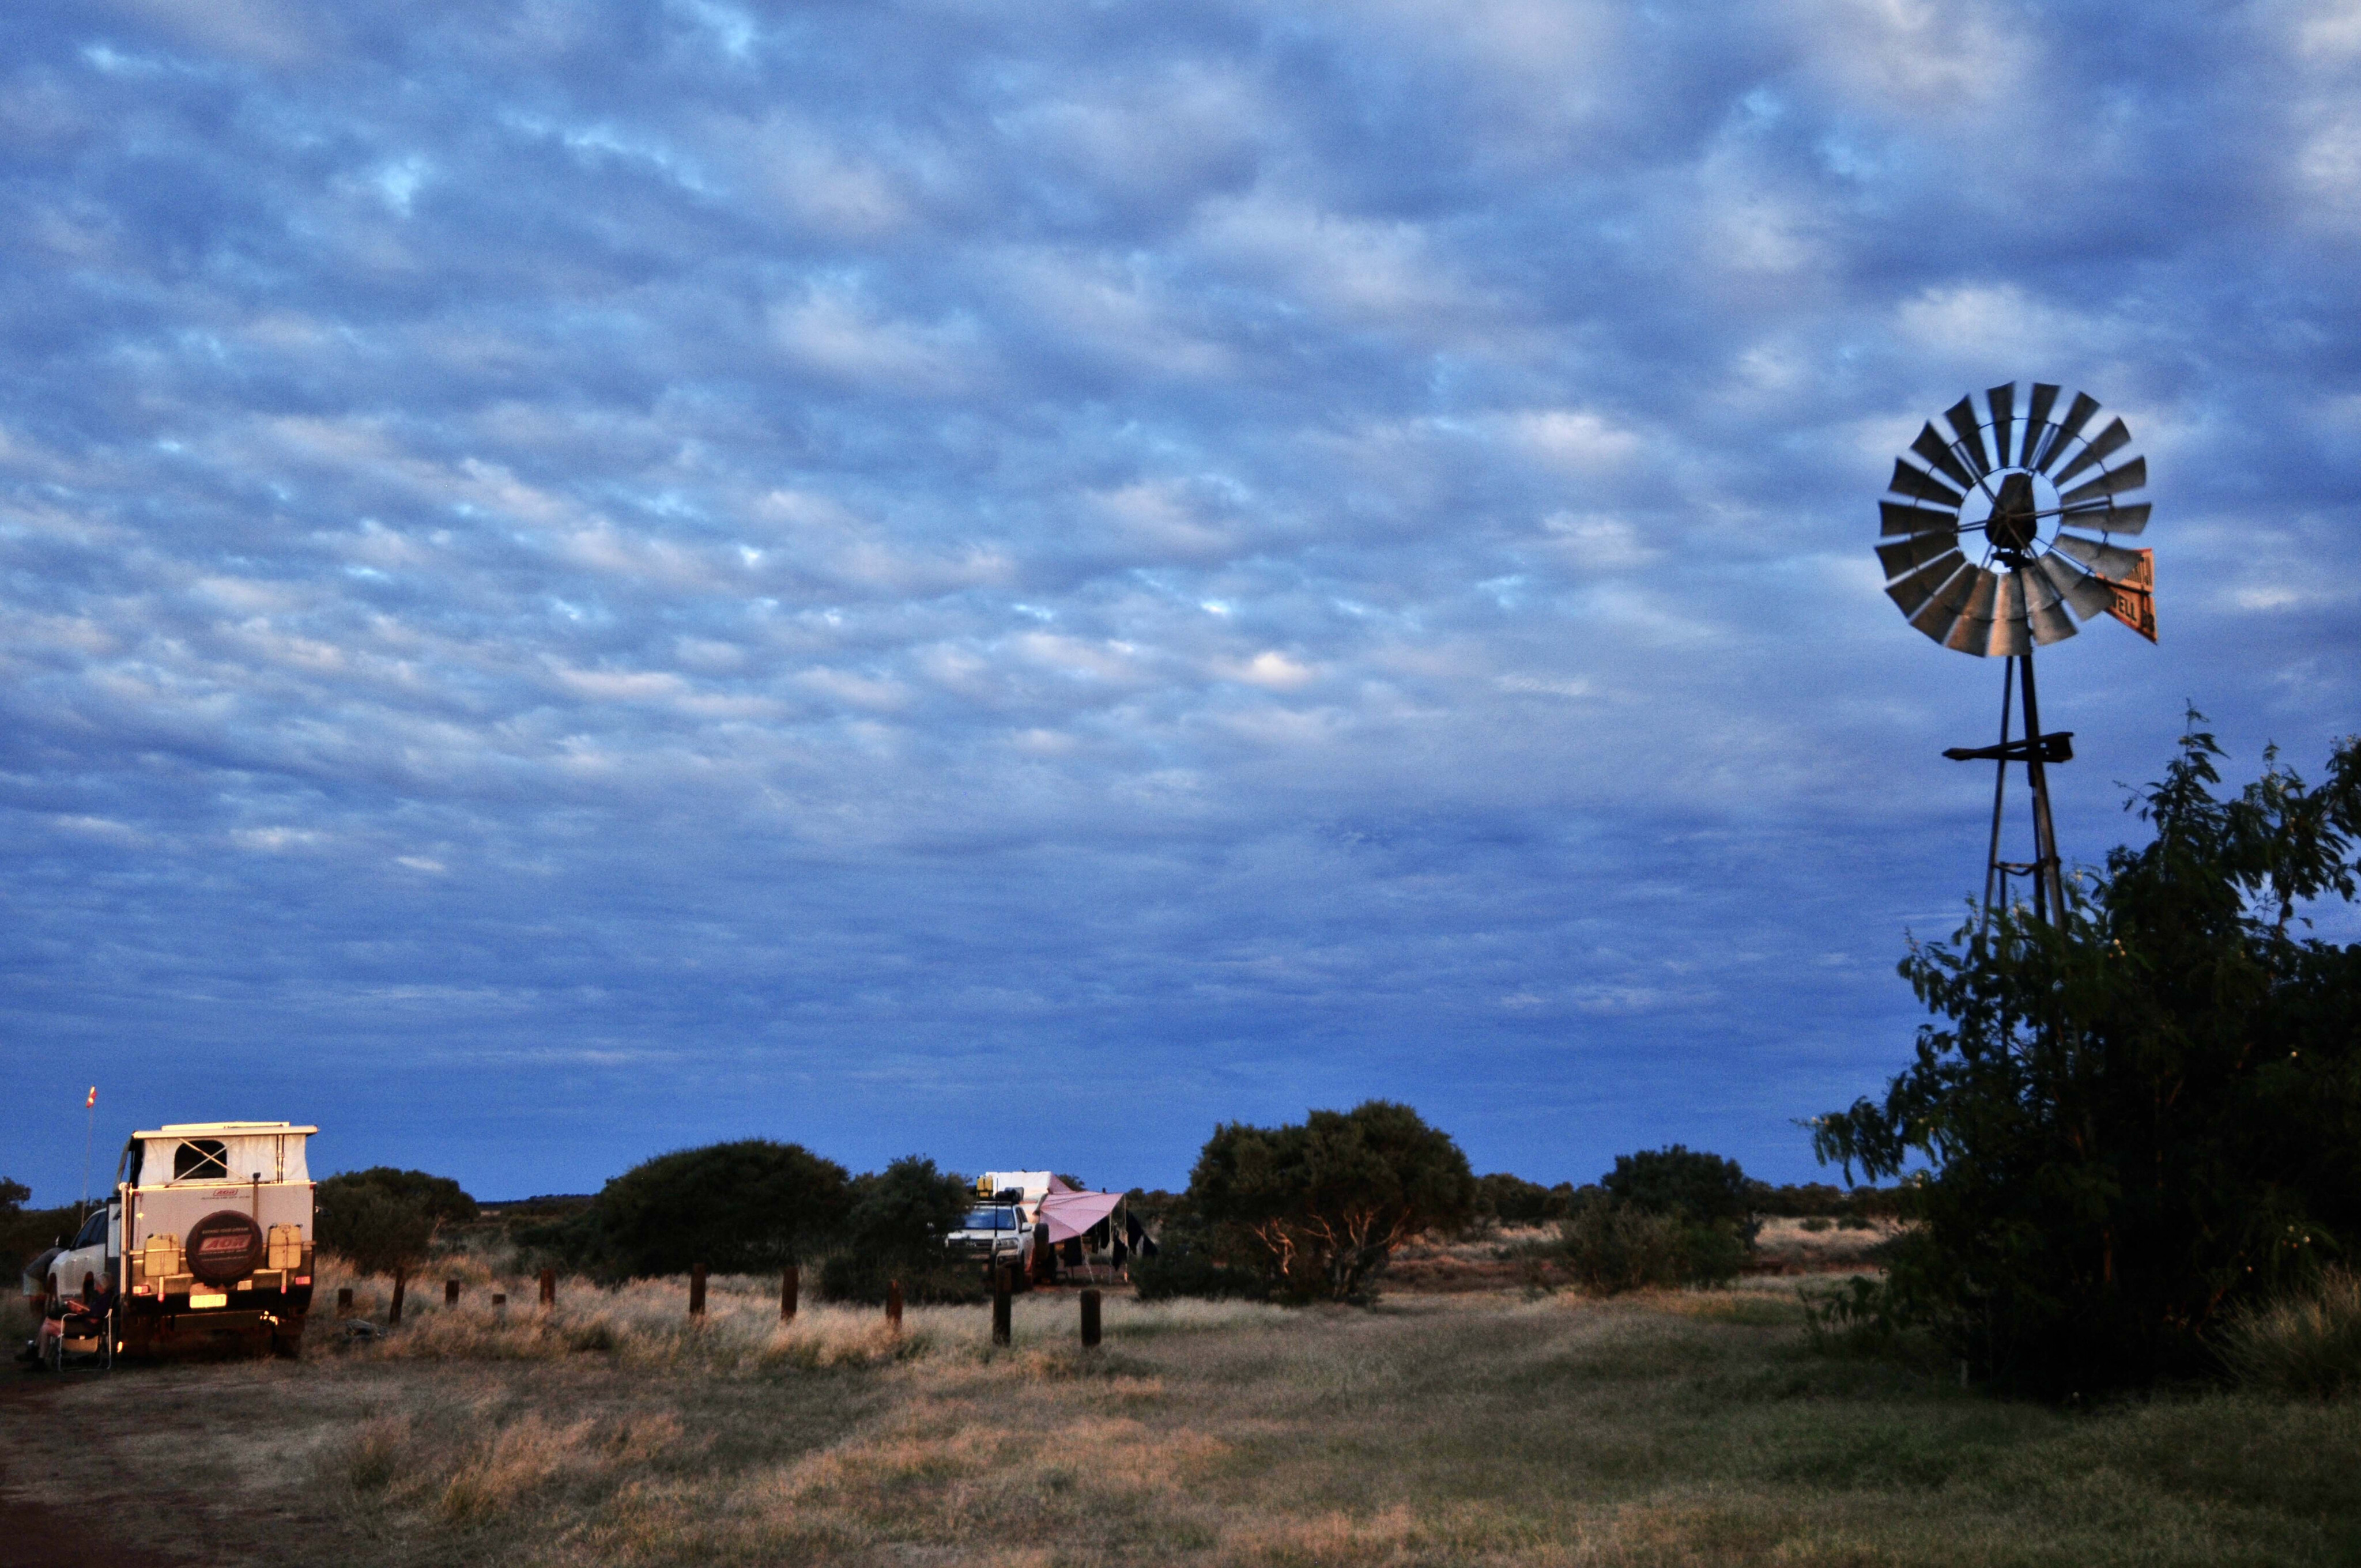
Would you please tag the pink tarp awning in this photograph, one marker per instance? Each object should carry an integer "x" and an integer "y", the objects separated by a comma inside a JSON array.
[{"x": 1069, "y": 1214}]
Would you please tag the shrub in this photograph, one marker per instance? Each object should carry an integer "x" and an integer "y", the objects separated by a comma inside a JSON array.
[
  {"x": 1702, "y": 1189},
  {"x": 1184, "y": 1265},
  {"x": 863, "y": 1277},
  {"x": 1609, "y": 1246},
  {"x": 901, "y": 1214},
  {"x": 1318, "y": 1208},
  {"x": 25, "y": 1233},
  {"x": 738, "y": 1208},
  {"x": 1513, "y": 1201},
  {"x": 2144, "y": 1115},
  {"x": 384, "y": 1220},
  {"x": 2307, "y": 1343}
]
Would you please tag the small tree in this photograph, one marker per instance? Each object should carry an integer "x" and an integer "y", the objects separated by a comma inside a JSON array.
[
  {"x": 894, "y": 1230},
  {"x": 384, "y": 1220},
  {"x": 1702, "y": 1189},
  {"x": 2142, "y": 1117},
  {"x": 1319, "y": 1208},
  {"x": 735, "y": 1207},
  {"x": 902, "y": 1213}
]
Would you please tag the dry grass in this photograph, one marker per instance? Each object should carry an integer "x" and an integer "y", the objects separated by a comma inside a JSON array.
[
  {"x": 1658, "y": 1429},
  {"x": 2309, "y": 1344}
]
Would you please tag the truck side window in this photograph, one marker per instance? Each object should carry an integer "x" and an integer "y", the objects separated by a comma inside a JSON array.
[
  {"x": 93, "y": 1230},
  {"x": 201, "y": 1159}
]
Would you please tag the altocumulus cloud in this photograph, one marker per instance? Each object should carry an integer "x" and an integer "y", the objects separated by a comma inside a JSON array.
[{"x": 1015, "y": 581}]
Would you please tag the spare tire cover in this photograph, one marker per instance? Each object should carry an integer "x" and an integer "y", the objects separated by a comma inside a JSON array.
[{"x": 224, "y": 1246}]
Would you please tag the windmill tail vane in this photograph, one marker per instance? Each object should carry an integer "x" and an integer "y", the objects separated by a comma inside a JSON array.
[{"x": 2053, "y": 499}]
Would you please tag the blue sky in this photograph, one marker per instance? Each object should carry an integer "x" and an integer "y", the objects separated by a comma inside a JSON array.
[{"x": 1014, "y": 582}]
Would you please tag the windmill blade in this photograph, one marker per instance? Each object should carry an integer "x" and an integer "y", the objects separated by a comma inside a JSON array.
[
  {"x": 2050, "y": 623},
  {"x": 2130, "y": 476},
  {"x": 2045, "y": 396},
  {"x": 1913, "y": 592},
  {"x": 1909, "y": 481},
  {"x": 2113, "y": 439},
  {"x": 1973, "y": 632},
  {"x": 1940, "y": 458},
  {"x": 2088, "y": 595},
  {"x": 1963, "y": 418},
  {"x": 1908, "y": 556},
  {"x": 2085, "y": 405},
  {"x": 1942, "y": 608},
  {"x": 2105, "y": 517},
  {"x": 2004, "y": 411},
  {"x": 1894, "y": 517},
  {"x": 2105, "y": 559}
]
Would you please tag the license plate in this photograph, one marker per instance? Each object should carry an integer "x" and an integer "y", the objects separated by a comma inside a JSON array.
[{"x": 203, "y": 1299}]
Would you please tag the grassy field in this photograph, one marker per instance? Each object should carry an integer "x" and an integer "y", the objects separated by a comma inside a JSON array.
[{"x": 1475, "y": 1427}]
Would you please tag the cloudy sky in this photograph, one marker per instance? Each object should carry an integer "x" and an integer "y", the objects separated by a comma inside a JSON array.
[{"x": 1015, "y": 581}]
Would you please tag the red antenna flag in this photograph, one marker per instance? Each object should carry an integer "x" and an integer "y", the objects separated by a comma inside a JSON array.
[{"x": 93, "y": 1099}]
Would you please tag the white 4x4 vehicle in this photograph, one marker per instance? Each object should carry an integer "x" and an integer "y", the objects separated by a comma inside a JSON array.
[
  {"x": 1000, "y": 1229},
  {"x": 206, "y": 1238}
]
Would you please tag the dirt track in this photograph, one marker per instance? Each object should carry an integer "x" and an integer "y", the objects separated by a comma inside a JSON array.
[{"x": 46, "y": 1516}]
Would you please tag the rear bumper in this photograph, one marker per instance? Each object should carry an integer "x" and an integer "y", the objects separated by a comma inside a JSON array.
[{"x": 149, "y": 1325}]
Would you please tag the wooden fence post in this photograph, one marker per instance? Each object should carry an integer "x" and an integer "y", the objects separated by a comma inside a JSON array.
[
  {"x": 893, "y": 1305},
  {"x": 790, "y": 1285},
  {"x": 549, "y": 1288},
  {"x": 450, "y": 1292},
  {"x": 400, "y": 1282},
  {"x": 696, "y": 1291},
  {"x": 1003, "y": 1287},
  {"x": 344, "y": 1301},
  {"x": 1090, "y": 1319},
  {"x": 500, "y": 1299}
]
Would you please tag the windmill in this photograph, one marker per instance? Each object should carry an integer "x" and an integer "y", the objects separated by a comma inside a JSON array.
[{"x": 2052, "y": 495}]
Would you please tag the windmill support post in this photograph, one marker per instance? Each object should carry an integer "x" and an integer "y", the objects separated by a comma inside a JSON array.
[{"x": 2037, "y": 751}]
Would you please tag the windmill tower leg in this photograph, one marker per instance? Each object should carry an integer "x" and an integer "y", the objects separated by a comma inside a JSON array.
[
  {"x": 1995, "y": 875},
  {"x": 2048, "y": 886}
]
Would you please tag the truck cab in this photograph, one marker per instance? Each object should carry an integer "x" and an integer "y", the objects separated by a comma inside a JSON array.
[{"x": 206, "y": 1239}]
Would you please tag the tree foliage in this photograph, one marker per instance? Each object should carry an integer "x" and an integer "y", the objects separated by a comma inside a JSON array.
[
  {"x": 735, "y": 1207},
  {"x": 2147, "y": 1115},
  {"x": 1318, "y": 1208},
  {"x": 383, "y": 1219},
  {"x": 1689, "y": 1184},
  {"x": 894, "y": 1230},
  {"x": 1513, "y": 1201}
]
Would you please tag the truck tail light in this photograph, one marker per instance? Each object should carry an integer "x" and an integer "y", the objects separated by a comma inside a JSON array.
[
  {"x": 302, "y": 1280},
  {"x": 143, "y": 1290}
]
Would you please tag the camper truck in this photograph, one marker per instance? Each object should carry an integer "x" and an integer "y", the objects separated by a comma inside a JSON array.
[{"x": 206, "y": 1243}]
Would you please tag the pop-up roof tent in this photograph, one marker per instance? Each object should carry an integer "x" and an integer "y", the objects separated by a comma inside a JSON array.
[{"x": 207, "y": 1153}]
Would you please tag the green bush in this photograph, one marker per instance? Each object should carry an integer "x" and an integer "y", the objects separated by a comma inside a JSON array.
[
  {"x": 1609, "y": 1246},
  {"x": 2307, "y": 1343},
  {"x": 1704, "y": 1189},
  {"x": 861, "y": 1278},
  {"x": 1317, "y": 1209},
  {"x": 898, "y": 1216},
  {"x": 1513, "y": 1201},
  {"x": 383, "y": 1220},
  {"x": 738, "y": 1208},
  {"x": 2143, "y": 1116},
  {"x": 1184, "y": 1265},
  {"x": 25, "y": 1233}
]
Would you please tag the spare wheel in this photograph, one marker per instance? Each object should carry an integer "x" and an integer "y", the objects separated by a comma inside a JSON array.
[{"x": 222, "y": 1247}]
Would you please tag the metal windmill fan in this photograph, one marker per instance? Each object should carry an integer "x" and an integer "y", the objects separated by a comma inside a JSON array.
[{"x": 2052, "y": 496}]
